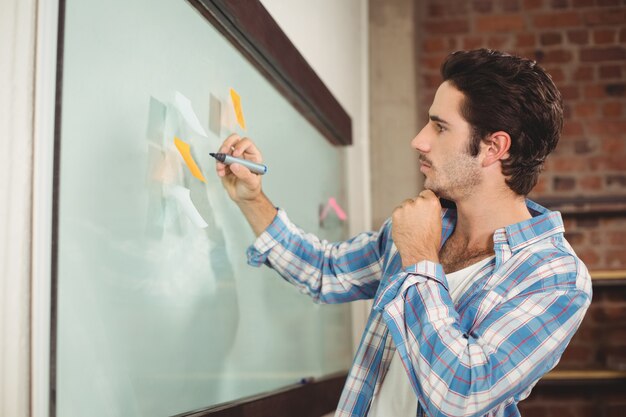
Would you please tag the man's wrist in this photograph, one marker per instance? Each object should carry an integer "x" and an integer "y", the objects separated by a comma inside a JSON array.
[
  {"x": 259, "y": 211},
  {"x": 415, "y": 258}
]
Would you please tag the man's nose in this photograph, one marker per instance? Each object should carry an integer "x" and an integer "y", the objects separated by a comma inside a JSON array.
[{"x": 421, "y": 141}]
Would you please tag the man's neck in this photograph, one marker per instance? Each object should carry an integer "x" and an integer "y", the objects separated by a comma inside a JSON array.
[{"x": 481, "y": 214}]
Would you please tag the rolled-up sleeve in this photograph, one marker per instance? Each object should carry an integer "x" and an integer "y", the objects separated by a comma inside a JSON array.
[{"x": 328, "y": 272}]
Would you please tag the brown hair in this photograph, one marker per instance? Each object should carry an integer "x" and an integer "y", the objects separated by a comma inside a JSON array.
[{"x": 511, "y": 94}]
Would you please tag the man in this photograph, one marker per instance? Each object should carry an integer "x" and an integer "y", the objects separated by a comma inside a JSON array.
[{"x": 472, "y": 304}]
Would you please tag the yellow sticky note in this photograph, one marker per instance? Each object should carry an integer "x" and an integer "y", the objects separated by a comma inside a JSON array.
[
  {"x": 185, "y": 151},
  {"x": 238, "y": 110}
]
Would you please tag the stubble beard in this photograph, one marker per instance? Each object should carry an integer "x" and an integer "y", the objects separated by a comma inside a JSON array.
[{"x": 454, "y": 179}]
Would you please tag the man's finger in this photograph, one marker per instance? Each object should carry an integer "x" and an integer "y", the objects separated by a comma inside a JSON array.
[
  {"x": 229, "y": 143},
  {"x": 248, "y": 149}
]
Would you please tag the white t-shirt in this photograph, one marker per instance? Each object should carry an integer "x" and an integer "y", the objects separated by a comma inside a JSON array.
[{"x": 396, "y": 397}]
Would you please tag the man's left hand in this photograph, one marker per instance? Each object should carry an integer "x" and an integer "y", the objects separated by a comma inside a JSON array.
[{"x": 416, "y": 228}]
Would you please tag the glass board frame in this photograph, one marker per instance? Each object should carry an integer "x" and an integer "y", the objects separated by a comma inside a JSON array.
[{"x": 250, "y": 28}]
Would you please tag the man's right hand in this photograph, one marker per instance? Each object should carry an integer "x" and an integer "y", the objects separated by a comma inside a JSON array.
[{"x": 241, "y": 184}]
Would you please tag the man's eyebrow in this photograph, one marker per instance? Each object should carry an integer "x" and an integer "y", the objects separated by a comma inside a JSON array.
[{"x": 438, "y": 119}]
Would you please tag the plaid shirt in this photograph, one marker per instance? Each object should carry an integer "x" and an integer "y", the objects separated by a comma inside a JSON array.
[{"x": 478, "y": 357}]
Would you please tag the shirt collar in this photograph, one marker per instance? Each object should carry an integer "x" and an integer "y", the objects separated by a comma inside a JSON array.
[{"x": 543, "y": 224}]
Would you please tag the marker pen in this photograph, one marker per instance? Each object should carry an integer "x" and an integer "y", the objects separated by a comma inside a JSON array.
[{"x": 252, "y": 166}]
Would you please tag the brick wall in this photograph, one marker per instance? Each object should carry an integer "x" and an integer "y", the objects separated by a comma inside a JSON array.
[{"x": 582, "y": 44}]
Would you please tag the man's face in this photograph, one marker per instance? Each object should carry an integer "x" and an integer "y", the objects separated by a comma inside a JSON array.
[{"x": 443, "y": 145}]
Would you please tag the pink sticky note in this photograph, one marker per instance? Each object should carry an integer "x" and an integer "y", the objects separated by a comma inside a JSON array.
[
  {"x": 338, "y": 210},
  {"x": 332, "y": 203}
]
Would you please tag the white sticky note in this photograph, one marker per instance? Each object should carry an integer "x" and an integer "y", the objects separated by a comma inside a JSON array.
[
  {"x": 183, "y": 104},
  {"x": 183, "y": 197}
]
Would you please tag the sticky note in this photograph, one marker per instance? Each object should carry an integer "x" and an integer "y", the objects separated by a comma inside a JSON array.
[
  {"x": 183, "y": 197},
  {"x": 338, "y": 210},
  {"x": 238, "y": 110},
  {"x": 183, "y": 104},
  {"x": 215, "y": 115},
  {"x": 185, "y": 152},
  {"x": 332, "y": 204}
]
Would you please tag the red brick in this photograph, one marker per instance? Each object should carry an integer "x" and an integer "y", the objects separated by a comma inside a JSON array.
[
  {"x": 615, "y": 53},
  {"x": 618, "y": 181},
  {"x": 583, "y": 146},
  {"x": 606, "y": 127},
  {"x": 534, "y": 410},
  {"x": 578, "y": 37},
  {"x": 542, "y": 185},
  {"x": 583, "y": 3},
  {"x": 615, "y": 311},
  {"x": 570, "y": 92},
  {"x": 524, "y": 40},
  {"x": 447, "y": 27},
  {"x": 569, "y": 223},
  {"x": 617, "y": 238},
  {"x": 532, "y": 4},
  {"x": 583, "y": 73},
  {"x": 568, "y": 164},
  {"x": 433, "y": 62},
  {"x": 572, "y": 129},
  {"x": 560, "y": 56},
  {"x": 473, "y": 42},
  {"x": 482, "y": 6},
  {"x": 613, "y": 145},
  {"x": 576, "y": 354},
  {"x": 612, "y": 109},
  {"x": 604, "y": 36},
  {"x": 594, "y": 91},
  {"x": 557, "y": 74},
  {"x": 434, "y": 44},
  {"x": 605, "y": 17},
  {"x": 622, "y": 35},
  {"x": 559, "y": 4},
  {"x": 499, "y": 42},
  {"x": 590, "y": 257},
  {"x": 567, "y": 111},
  {"x": 499, "y": 23},
  {"x": 436, "y": 10},
  {"x": 585, "y": 109},
  {"x": 616, "y": 336},
  {"x": 575, "y": 238},
  {"x": 590, "y": 183},
  {"x": 557, "y": 20},
  {"x": 431, "y": 80},
  {"x": 510, "y": 5},
  {"x": 609, "y": 162},
  {"x": 608, "y": 3},
  {"x": 590, "y": 222},
  {"x": 617, "y": 259},
  {"x": 551, "y": 38},
  {"x": 564, "y": 183},
  {"x": 610, "y": 71},
  {"x": 615, "y": 89}
]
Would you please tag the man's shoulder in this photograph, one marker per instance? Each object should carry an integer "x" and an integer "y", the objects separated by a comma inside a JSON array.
[{"x": 549, "y": 263}]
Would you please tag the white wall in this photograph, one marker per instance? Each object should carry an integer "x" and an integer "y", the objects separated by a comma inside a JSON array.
[
  {"x": 332, "y": 36},
  {"x": 17, "y": 68}
]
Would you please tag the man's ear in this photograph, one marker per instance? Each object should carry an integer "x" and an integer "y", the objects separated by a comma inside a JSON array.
[{"x": 496, "y": 147}]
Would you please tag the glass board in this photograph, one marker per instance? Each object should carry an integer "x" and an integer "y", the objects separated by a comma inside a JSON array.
[{"x": 156, "y": 315}]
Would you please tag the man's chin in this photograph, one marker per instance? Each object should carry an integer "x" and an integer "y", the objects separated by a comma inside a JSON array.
[{"x": 439, "y": 192}]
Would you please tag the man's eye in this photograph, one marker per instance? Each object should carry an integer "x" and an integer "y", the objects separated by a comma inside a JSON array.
[{"x": 440, "y": 128}]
